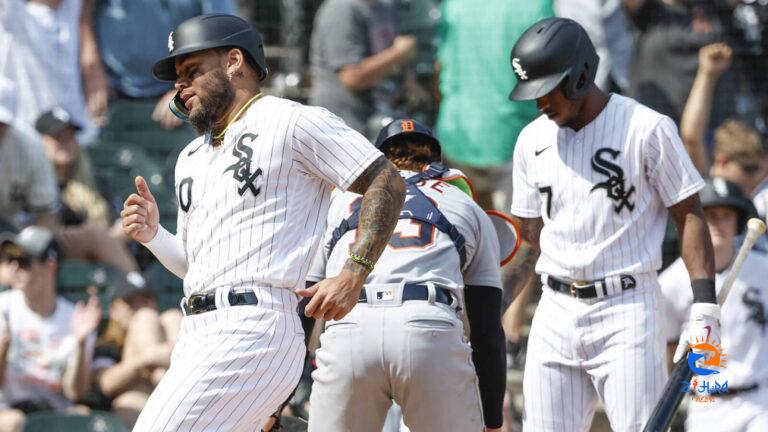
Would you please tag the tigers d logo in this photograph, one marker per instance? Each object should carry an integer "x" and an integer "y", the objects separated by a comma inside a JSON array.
[{"x": 614, "y": 185}]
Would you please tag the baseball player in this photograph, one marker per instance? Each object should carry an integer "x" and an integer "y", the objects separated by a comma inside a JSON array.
[
  {"x": 594, "y": 178},
  {"x": 744, "y": 407},
  {"x": 404, "y": 341},
  {"x": 253, "y": 193}
]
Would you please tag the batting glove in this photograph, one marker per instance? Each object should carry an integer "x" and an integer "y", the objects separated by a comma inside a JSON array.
[{"x": 703, "y": 325}]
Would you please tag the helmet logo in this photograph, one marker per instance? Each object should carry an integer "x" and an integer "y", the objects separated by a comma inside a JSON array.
[
  {"x": 170, "y": 42},
  {"x": 519, "y": 69},
  {"x": 407, "y": 125},
  {"x": 720, "y": 187}
]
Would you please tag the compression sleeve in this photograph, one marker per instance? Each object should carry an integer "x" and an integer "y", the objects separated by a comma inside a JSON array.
[
  {"x": 488, "y": 349},
  {"x": 169, "y": 249}
]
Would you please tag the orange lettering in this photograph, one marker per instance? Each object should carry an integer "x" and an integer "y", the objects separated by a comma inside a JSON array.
[{"x": 407, "y": 125}]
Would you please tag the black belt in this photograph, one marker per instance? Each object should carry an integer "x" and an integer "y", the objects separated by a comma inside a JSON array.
[
  {"x": 199, "y": 303},
  {"x": 587, "y": 289},
  {"x": 418, "y": 292}
]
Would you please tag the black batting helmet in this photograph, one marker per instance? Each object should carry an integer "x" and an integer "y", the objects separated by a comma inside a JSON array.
[
  {"x": 400, "y": 130},
  {"x": 720, "y": 192},
  {"x": 551, "y": 52},
  {"x": 211, "y": 31}
]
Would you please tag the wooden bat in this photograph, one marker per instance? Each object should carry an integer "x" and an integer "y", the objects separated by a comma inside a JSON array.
[{"x": 670, "y": 398}]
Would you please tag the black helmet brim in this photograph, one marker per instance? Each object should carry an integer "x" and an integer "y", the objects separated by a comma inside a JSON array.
[
  {"x": 165, "y": 69},
  {"x": 534, "y": 89}
]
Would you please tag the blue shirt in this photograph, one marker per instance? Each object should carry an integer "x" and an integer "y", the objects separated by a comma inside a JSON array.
[{"x": 133, "y": 35}]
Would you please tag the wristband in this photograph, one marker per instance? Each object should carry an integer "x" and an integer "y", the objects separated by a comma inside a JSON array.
[
  {"x": 704, "y": 291},
  {"x": 363, "y": 261}
]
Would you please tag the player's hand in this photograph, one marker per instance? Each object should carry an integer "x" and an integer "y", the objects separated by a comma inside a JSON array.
[
  {"x": 714, "y": 59},
  {"x": 163, "y": 115},
  {"x": 333, "y": 298},
  {"x": 140, "y": 217},
  {"x": 703, "y": 326}
]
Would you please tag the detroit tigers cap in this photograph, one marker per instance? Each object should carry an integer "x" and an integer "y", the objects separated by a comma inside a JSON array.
[
  {"x": 7, "y": 100},
  {"x": 54, "y": 121},
  {"x": 34, "y": 241}
]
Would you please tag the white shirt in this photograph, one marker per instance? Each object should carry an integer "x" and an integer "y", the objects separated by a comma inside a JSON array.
[
  {"x": 427, "y": 255},
  {"x": 251, "y": 211},
  {"x": 760, "y": 199},
  {"x": 27, "y": 181},
  {"x": 743, "y": 316},
  {"x": 603, "y": 191},
  {"x": 40, "y": 53},
  {"x": 41, "y": 350}
]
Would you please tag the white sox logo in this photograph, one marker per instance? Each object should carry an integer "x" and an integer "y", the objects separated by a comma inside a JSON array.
[
  {"x": 614, "y": 185},
  {"x": 170, "y": 41},
  {"x": 519, "y": 69},
  {"x": 241, "y": 170}
]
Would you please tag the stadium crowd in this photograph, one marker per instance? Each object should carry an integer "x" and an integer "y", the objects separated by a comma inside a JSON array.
[{"x": 89, "y": 318}]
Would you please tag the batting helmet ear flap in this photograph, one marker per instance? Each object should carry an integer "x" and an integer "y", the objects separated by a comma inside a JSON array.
[{"x": 177, "y": 107}]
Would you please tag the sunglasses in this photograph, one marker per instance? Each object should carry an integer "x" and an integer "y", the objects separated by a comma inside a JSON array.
[{"x": 24, "y": 262}]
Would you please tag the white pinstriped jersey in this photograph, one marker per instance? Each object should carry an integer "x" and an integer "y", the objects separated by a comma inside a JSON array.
[
  {"x": 743, "y": 317},
  {"x": 602, "y": 191},
  {"x": 418, "y": 252},
  {"x": 251, "y": 212}
]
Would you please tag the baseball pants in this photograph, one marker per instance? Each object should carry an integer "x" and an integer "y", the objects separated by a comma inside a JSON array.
[
  {"x": 231, "y": 367},
  {"x": 581, "y": 349},
  {"x": 414, "y": 353}
]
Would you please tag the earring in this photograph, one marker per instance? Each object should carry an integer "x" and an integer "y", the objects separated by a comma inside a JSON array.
[{"x": 230, "y": 76}]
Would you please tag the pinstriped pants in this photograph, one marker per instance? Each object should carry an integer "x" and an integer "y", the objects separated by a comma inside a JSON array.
[
  {"x": 578, "y": 350},
  {"x": 231, "y": 367}
]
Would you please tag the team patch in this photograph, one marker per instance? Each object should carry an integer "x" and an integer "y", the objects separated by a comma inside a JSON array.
[
  {"x": 614, "y": 185},
  {"x": 241, "y": 170}
]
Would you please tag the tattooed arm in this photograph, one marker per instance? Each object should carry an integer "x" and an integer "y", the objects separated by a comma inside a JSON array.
[
  {"x": 383, "y": 191},
  {"x": 521, "y": 270}
]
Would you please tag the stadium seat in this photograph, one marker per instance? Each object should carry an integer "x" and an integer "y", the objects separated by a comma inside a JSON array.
[
  {"x": 97, "y": 421},
  {"x": 168, "y": 287}
]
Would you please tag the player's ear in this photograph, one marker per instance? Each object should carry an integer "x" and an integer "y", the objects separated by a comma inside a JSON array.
[{"x": 235, "y": 58}]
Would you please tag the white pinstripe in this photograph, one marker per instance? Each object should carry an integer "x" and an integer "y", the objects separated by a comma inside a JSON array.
[
  {"x": 590, "y": 351},
  {"x": 239, "y": 226}
]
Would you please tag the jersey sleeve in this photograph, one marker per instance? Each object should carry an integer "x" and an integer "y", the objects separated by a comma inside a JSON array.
[
  {"x": 330, "y": 149},
  {"x": 668, "y": 167},
  {"x": 676, "y": 292},
  {"x": 483, "y": 267},
  {"x": 526, "y": 201}
]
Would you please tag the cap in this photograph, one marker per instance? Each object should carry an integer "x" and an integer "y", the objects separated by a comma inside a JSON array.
[
  {"x": 34, "y": 241},
  {"x": 7, "y": 100},
  {"x": 132, "y": 283},
  {"x": 54, "y": 121}
]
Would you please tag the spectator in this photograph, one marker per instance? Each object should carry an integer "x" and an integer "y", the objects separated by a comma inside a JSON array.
[
  {"x": 606, "y": 24},
  {"x": 356, "y": 55},
  {"x": 47, "y": 342},
  {"x": 668, "y": 36},
  {"x": 29, "y": 195},
  {"x": 477, "y": 125},
  {"x": 714, "y": 60},
  {"x": 80, "y": 202},
  {"x": 135, "y": 349},
  {"x": 131, "y": 37},
  {"x": 739, "y": 155},
  {"x": 28, "y": 192},
  {"x": 47, "y": 48}
]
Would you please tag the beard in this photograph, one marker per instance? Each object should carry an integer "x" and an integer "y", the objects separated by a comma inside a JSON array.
[{"x": 218, "y": 96}]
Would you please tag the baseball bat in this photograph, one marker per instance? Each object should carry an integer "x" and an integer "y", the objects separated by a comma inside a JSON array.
[{"x": 670, "y": 399}]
